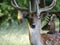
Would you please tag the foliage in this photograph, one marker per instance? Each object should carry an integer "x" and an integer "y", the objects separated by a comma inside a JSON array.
[
  {"x": 6, "y": 7},
  {"x": 22, "y": 3},
  {"x": 57, "y": 7},
  {"x": 48, "y": 2}
]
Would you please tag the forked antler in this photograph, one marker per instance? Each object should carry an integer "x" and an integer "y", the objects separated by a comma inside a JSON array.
[
  {"x": 48, "y": 7},
  {"x": 15, "y": 5}
]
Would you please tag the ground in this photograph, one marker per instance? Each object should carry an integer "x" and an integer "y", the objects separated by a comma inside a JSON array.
[{"x": 14, "y": 35}]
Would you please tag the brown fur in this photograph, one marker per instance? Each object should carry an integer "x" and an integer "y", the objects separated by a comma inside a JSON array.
[
  {"x": 48, "y": 39},
  {"x": 51, "y": 39}
]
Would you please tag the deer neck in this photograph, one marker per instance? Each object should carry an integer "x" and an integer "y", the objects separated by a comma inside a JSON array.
[{"x": 36, "y": 38}]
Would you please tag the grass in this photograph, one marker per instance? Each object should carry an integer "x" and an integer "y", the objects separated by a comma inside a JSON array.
[
  {"x": 12, "y": 39},
  {"x": 14, "y": 35}
]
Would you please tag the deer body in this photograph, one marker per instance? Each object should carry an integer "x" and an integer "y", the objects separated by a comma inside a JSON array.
[
  {"x": 43, "y": 39},
  {"x": 36, "y": 38}
]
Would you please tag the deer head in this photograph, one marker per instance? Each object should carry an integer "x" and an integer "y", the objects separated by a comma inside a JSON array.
[{"x": 40, "y": 10}]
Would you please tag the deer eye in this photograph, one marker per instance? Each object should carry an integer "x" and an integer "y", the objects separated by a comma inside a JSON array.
[{"x": 33, "y": 26}]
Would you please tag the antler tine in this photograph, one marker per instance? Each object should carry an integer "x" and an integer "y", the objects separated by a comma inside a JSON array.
[
  {"x": 30, "y": 6},
  {"x": 48, "y": 7},
  {"x": 15, "y": 5}
]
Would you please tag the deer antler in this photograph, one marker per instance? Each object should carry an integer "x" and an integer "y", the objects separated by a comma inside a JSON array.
[
  {"x": 39, "y": 10},
  {"x": 48, "y": 7},
  {"x": 15, "y": 5}
]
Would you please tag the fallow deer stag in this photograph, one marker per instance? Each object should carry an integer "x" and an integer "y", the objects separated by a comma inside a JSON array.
[
  {"x": 34, "y": 25},
  {"x": 36, "y": 38}
]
